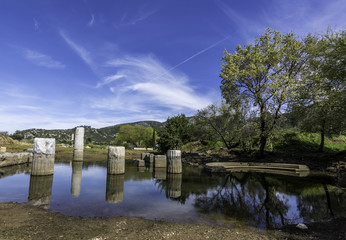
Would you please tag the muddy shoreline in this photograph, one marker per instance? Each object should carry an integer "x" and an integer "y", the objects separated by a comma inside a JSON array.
[{"x": 22, "y": 221}]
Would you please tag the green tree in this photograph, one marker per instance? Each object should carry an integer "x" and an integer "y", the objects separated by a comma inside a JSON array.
[
  {"x": 221, "y": 123},
  {"x": 175, "y": 133},
  {"x": 266, "y": 75},
  {"x": 321, "y": 106}
]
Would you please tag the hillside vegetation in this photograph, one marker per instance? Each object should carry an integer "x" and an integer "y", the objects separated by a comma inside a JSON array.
[{"x": 91, "y": 135}]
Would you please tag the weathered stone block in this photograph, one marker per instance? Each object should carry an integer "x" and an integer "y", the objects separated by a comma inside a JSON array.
[
  {"x": 140, "y": 163},
  {"x": 2, "y": 149},
  {"x": 78, "y": 155},
  {"x": 44, "y": 146},
  {"x": 160, "y": 161},
  {"x": 9, "y": 159},
  {"x": 79, "y": 139},
  {"x": 173, "y": 153},
  {"x": 116, "y": 152},
  {"x": 42, "y": 165},
  {"x": 116, "y": 166}
]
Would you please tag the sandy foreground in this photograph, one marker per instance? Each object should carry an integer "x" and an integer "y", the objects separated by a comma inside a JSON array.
[{"x": 22, "y": 221}]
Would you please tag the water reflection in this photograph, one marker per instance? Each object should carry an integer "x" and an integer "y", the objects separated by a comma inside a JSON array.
[
  {"x": 173, "y": 189},
  {"x": 261, "y": 200},
  {"x": 76, "y": 178},
  {"x": 40, "y": 191},
  {"x": 268, "y": 201},
  {"x": 160, "y": 173},
  {"x": 115, "y": 188}
]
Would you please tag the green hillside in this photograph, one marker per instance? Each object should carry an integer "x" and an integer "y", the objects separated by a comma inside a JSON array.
[{"x": 94, "y": 135}]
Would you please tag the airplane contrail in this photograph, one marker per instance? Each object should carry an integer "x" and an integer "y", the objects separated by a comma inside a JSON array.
[{"x": 195, "y": 55}]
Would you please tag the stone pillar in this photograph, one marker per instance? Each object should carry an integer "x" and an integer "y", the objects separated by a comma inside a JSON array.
[
  {"x": 78, "y": 146},
  {"x": 43, "y": 156},
  {"x": 160, "y": 161},
  {"x": 174, "y": 161},
  {"x": 40, "y": 191},
  {"x": 116, "y": 160},
  {"x": 115, "y": 188},
  {"x": 173, "y": 189},
  {"x": 76, "y": 178}
]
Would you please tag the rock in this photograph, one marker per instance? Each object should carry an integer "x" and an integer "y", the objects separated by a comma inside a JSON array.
[{"x": 302, "y": 226}]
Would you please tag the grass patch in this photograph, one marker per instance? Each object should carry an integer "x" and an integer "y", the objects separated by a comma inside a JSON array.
[{"x": 294, "y": 140}]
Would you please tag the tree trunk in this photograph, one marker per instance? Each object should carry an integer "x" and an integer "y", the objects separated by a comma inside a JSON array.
[
  {"x": 263, "y": 142},
  {"x": 320, "y": 148}
]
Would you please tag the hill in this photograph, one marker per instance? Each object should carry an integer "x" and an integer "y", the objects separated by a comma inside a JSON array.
[{"x": 95, "y": 135}]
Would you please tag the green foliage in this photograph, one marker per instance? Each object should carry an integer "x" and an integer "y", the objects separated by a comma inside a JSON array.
[
  {"x": 134, "y": 136},
  {"x": 293, "y": 140},
  {"x": 266, "y": 75},
  {"x": 175, "y": 133},
  {"x": 224, "y": 123},
  {"x": 321, "y": 105}
]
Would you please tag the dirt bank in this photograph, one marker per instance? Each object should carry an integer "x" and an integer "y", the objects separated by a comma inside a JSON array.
[{"x": 21, "y": 221}]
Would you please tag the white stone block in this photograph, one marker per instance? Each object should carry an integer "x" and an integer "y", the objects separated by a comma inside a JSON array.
[
  {"x": 79, "y": 138},
  {"x": 116, "y": 152},
  {"x": 44, "y": 146},
  {"x": 173, "y": 153}
]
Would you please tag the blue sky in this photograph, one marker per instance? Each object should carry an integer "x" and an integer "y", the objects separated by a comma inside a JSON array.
[{"x": 85, "y": 62}]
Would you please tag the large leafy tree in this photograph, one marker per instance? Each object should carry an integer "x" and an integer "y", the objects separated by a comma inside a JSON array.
[
  {"x": 321, "y": 106},
  {"x": 267, "y": 75},
  {"x": 175, "y": 133},
  {"x": 135, "y": 135},
  {"x": 222, "y": 123}
]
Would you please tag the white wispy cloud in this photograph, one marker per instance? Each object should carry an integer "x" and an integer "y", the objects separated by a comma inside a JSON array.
[
  {"x": 134, "y": 18},
  {"x": 301, "y": 17},
  {"x": 36, "y": 24},
  {"x": 41, "y": 59},
  {"x": 148, "y": 86},
  {"x": 81, "y": 51},
  {"x": 92, "y": 20}
]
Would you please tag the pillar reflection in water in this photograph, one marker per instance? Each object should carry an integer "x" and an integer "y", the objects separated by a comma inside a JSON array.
[
  {"x": 160, "y": 173},
  {"x": 174, "y": 185},
  {"x": 115, "y": 188},
  {"x": 76, "y": 178},
  {"x": 40, "y": 191}
]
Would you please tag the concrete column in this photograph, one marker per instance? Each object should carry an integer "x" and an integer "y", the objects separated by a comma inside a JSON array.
[
  {"x": 174, "y": 185},
  {"x": 40, "y": 191},
  {"x": 76, "y": 178},
  {"x": 160, "y": 161},
  {"x": 78, "y": 146},
  {"x": 43, "y": 156},
  {"x": 115, "y": 188},
  {"x": 116, "y": 160},
  {"x": 174, "y": 161}
]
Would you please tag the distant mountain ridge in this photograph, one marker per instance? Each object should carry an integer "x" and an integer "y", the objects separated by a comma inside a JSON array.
[{"x": 94, "y": 135}]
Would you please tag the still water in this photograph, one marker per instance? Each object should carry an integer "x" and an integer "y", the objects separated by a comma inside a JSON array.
[{"x": 238, "y": 199}]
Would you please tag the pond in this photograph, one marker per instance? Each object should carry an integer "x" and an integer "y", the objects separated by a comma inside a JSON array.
[{"x": 238, "y": 199}]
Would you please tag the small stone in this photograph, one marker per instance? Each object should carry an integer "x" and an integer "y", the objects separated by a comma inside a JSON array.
[{"x": 302, "y": 226}]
